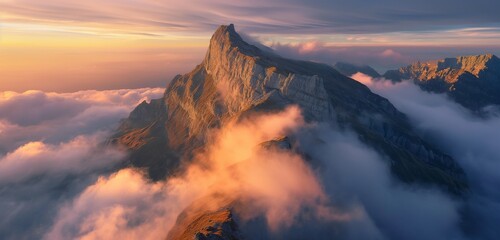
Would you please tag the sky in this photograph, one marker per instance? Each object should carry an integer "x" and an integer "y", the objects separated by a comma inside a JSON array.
[{"x": 66, "y": 46}]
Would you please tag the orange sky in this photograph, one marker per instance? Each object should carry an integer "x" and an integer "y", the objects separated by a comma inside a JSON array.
[
  {"x": 58, "y": 45},
  {"x": 69, "y": 62}
]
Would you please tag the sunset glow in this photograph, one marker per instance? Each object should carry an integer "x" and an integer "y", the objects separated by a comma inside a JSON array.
[
  {"x": 232, "y": 119},
  {"x": 138, "y": 44},
  {"x": 45, "y": 58}
]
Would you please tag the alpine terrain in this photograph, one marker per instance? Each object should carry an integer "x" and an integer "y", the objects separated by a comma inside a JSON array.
[
  {"x": 472, "y": 81},
  {"x": 236, "y": 79}
]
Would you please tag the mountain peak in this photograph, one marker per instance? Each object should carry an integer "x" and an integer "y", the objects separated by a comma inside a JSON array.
[
  {"x": 225, "y": 32},
  {"x": 226, "y": 36},
  {"x": 237, "y": 78},
  {"x": 227, "y": 43}
]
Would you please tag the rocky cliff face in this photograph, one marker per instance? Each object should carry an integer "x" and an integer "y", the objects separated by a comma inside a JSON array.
[
  {"x": 472, "y": 81},
  {"x": 236, "y": 78}
]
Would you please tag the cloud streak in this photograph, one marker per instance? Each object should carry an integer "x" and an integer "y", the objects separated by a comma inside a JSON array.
[
  {"x": 318, "y": 16},
  {"x": 120, "y": 43},
  {"x": 382, "y": 57}
]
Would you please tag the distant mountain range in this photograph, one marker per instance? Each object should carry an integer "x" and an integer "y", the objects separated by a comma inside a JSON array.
[
  {"x": 471, "y": 81},
  {"x": 164, "y": 133}
]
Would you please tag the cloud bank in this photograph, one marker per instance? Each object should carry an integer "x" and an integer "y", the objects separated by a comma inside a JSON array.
[
  {"x": 74, "y": 157},
  {"x": 471, "y": 140},
  {"x": 344, "y": 190},
  {"x": 328, "y": 184},
  {"x": 273, "y": 183},
  {"x": 56, "y": 117},
  {"x": 356, "y": 176},
  {"x": 51, "y": 149}
]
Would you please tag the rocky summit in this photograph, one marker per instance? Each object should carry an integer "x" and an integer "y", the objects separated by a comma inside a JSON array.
[
  {"x": 472, "y": 81},
  {"x": 237, "y": 78}
]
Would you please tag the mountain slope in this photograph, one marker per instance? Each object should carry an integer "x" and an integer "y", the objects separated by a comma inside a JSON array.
[
  {"x": 349, "y": 69},
  {"x": 472, "y": 81},
  {"x": 236, "y": 78}
]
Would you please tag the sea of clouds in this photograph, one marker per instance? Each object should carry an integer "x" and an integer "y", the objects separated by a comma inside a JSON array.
[
  {"x": 58, "y": 181},
  {"x": 51, "y": 149},
  {"x": 472, "y": 140}
]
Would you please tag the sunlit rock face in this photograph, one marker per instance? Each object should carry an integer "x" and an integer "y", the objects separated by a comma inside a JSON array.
[
  {"x": 472, "y": 81},
  {"x": 217, "y": 224},
  {"x": 236, "y": 79}
]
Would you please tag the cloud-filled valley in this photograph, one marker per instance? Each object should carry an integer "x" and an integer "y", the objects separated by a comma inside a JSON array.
[
  {"x": 345, "y": 188},
  {"x": 471, "y": 139}
]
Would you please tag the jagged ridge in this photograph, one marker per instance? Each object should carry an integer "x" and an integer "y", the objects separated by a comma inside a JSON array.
[
  {"x": 472, "y": 81},
  {"x": 448, "y": 69}
]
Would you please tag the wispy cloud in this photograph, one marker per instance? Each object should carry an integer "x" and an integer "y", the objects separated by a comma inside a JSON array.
[
  {"x": 78, "y": 36},
  {"x": 318, "y": 16}
]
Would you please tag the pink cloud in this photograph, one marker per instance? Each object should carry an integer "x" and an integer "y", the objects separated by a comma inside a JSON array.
[
  {"x": 275, "y": 183},
  {"x": 80, "y": 155},
  {"x": 389, "y": 53}
]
